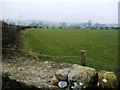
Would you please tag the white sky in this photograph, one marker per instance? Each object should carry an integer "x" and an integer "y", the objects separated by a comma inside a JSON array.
[{"x": 102, "y": 11}]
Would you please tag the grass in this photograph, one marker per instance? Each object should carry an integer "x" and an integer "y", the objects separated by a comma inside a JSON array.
[{"x": 63, "y": 45}]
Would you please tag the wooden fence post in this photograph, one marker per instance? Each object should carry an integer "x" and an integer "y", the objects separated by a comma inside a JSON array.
[{"x": 82, "y": 57}]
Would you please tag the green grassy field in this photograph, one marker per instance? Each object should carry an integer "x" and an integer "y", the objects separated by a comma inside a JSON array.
[{"x": 101, "y": 46}]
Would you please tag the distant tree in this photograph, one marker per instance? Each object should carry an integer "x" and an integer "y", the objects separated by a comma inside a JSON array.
[
  {"x": 12, "y": 23},
  {"x": 84, "y": 25},
  {"x": 33, "y": 24},
  {"x": 62, "y": 25},
  {"x": 89, "y": 23},
  {"x": 41, "y": 24},
  {"x": 97, "y": 25}
]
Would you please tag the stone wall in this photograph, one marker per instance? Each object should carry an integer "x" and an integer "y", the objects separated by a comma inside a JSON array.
[{"x": 80, "y": 77}]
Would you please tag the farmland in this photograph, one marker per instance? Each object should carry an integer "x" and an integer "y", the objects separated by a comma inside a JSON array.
[{"x": 63, "y": 45}]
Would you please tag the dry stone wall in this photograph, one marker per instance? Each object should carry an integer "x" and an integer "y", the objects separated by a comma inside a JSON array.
[{"x": 78, "y": 77}]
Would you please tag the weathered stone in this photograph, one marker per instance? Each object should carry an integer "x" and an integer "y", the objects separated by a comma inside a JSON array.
[
  {"x": 62, "y": 84},
  {"x": 54, "y": 81},
  {"x": 78, "y": 76},
  {"x": 81, "y": 74},
  {"x": 76, "y": 86},
  {"x": 20, "y": 68},
  {"x": 107, "y": 79},
  {"x": 62, "y": 74}
]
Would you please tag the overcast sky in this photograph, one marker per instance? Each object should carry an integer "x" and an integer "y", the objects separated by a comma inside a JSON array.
[{"x": 102, "y": 11}]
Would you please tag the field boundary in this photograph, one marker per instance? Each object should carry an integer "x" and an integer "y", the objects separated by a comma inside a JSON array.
[
  {"x": 45, "y": 55},
  {"x": 70, "y": 59}
]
